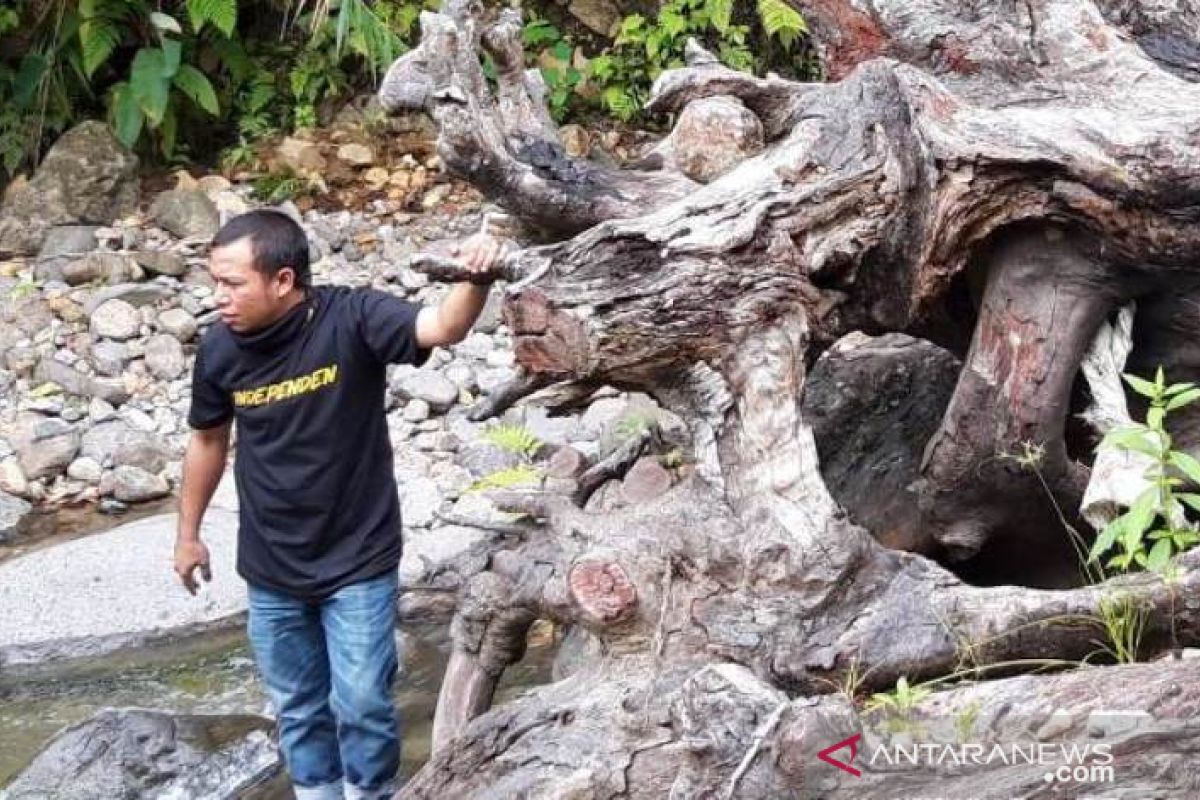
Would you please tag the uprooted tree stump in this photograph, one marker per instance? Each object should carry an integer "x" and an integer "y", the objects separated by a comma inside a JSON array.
[{"x": 997, "y": 177}]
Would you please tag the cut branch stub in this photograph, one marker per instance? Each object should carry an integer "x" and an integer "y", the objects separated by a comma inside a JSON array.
[{"x": 602, "y": 590}]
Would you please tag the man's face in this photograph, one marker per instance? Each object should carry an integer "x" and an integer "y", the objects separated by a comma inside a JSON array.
[{"x": 248, "y": 299}]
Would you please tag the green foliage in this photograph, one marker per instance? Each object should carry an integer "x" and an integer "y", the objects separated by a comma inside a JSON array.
[
  {"x": 644, "y": 47},
  {"x": 168, "y": 74},
  {"x": 1155, "y": 528},
  {"x": 635, "y": 424},
  {"x": 516, "y": 439},
  {"x": 964, "y": 721},
  {"x": 185, "y": 78},
  {"x": 781, "y": 21},
  {"x": 520, "y": 475},
  {"x": 222, "y": 14},
  {"x": 553, "y": 53},
  {"x": 901, "y": 700},
  {"x": 277, "y": 187},
  {"x": 1124, "y": 621}
]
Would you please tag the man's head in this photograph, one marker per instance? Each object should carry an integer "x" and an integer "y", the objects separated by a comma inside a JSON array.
[{"x": 259, "y": 262}]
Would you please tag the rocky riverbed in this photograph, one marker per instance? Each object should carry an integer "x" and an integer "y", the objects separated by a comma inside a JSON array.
[
  {"x": 99, "y": 325},
  {"x": 103, "y": 298}
]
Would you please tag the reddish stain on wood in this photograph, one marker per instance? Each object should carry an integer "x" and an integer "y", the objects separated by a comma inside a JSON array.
[
  {"x": 855, "y": 36},
  {"x": 603, "y": 590},
  {"x": 528, "y": 312},
  {"x": 955, "y": 56}
]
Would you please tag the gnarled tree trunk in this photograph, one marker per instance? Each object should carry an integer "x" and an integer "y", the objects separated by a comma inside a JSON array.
[{"x": 1041, "y": 155}]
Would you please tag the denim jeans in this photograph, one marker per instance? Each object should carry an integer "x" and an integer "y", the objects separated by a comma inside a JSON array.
[{"x": 328, "y": 668}]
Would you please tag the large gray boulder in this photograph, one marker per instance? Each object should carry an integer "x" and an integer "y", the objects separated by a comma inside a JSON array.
[
  {"x": 45, "y": 446},
  {"x": 87, "y": 177},
  {"x": 118, "y": 444},
  {"x": 126, "y": 754},
  {"x": 187, "y": 213}
]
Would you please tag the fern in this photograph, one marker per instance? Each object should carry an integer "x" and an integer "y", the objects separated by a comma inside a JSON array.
[
  {"x": 221, "y": 13},
  {"x": 520, "y": 475},
  {"x": 781, "y": 21},
  {"x": 514, "y": 439},
  {"x": 620, "y": 102}
]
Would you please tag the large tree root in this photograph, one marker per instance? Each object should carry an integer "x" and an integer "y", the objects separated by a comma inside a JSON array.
[{"x": 1037, "y": 145}]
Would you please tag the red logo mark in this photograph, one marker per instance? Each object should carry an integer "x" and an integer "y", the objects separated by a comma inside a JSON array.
[{"x": 852, "y": 743}]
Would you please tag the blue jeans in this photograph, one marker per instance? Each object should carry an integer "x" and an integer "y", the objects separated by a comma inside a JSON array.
[{"x": 328, "y": 668}]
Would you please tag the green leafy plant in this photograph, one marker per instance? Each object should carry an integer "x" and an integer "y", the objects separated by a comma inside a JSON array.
[
  {"x": 964, "y": 721},
  {"x": 645, "y": 47},
  {"x": 901, "y": 700},
  {"x": 1155, "y": 528},
  {"x": 520, "y": 475},
  {"x": 516, "y": 439},
  {"x": 780, "y": 21},
  {"x": 277, "y": 187},
  {"x": 1124, "y": 622},
  {"x": 186, "y": 75},
  {"x": 548, "y": 49},
  {"x": 634, "y": 424}
]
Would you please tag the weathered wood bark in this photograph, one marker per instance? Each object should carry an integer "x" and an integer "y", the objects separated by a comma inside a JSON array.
[{"x": 1032, "y": 150}]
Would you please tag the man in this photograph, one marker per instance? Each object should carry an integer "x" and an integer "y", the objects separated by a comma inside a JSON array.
[{"x": 301, "y": 370}]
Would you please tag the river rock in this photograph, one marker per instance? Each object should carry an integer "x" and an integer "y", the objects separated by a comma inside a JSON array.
[
  {"x": 50, "y": 370},
  {"x": 45, "y": 446},
  {"x": 178, "y": 323},
  {"x": 162, "y": 262},
  {"x": 116, "y": 443},
  {"x": 85, "y": 469},
  {"x": 136, "y": 485},
  {"x": 300, "y": 155},
  {"x": 164, "y": 357},
  {"x": 425, "y": 384},
  {"x": 358, "y": 155},
  {"x": 124, "y": 754},
  {"x": 135, "y": 294},
  {"x": 116, "y": 319},
  {"x": 109, "y": 357},
  {"x": 713, "y": 135},
  {"x": 187, "y": 213},
  {"x": 86, "y": 177},
  {"x": 107, "y": 267},
  {"x": 68, "y": 240},
  {"x": 13, "y": 513},
  {"x": 484, "y": 458}
]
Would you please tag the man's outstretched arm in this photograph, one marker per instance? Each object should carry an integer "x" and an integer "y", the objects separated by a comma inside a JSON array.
[
  {"x": 450, "y": 321},
  {"x": 203, "y": 465}
]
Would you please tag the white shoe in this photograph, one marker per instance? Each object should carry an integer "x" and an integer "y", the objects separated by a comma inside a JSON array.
[
  {"x": 382, "y": 793},
  {"x": 326, "y": 791}
]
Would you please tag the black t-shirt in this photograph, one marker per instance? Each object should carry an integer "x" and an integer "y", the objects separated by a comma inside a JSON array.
[{"x": 316, "y": 487}]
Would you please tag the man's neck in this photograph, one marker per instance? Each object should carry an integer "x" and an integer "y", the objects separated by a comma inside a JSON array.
[{"x": 292, "y": 299}]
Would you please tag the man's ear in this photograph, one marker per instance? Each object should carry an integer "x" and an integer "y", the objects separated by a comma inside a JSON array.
[{"x": 285, "y": 280}]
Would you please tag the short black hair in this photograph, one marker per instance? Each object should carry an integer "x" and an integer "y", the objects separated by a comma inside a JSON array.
[{"x": 276, "y": 240}]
